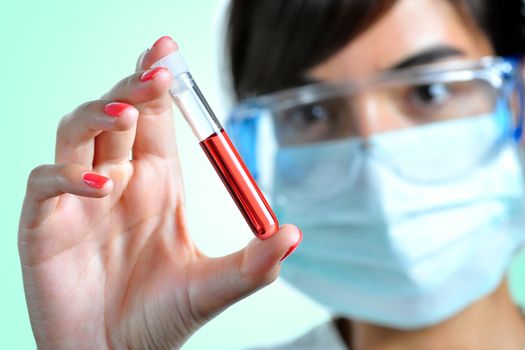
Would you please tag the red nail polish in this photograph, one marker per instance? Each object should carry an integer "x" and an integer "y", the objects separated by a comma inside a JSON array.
[
  {"x": 94, "y": 180},
  {"x": 292, "y": 248},
  {"x": 115, "y": 109},
  {"x": 160, "y": 39},
  {"x": 150, "y": 74}
]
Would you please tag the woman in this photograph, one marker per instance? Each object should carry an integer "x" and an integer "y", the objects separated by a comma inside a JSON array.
[{"x": 410, "y": 204}]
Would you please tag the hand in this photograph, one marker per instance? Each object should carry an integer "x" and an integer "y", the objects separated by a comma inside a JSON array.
[{"x": 106, "y": 256}]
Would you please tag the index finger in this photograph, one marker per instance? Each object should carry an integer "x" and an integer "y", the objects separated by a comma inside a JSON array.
[
  {"x": 155, "y": 133},
  {"x": 160, "y": 48}
]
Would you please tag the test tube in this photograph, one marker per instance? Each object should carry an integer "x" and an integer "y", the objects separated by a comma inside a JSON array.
[{"x": 217, "y": 145}]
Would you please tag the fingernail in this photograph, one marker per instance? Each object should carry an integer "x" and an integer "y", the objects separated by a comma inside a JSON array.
[
  {"x": 115, "y": 109},
  {"x": 160, "y": 39},
  {"x": 94, "y": 180},
  {"x": 292, "y": 248},
  {"x": 150, "y": 74}
]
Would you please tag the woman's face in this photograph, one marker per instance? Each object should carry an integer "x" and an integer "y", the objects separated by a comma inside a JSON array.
[
  {"x": 362, "y": 213},
  {"x": 412, "y": 32}
]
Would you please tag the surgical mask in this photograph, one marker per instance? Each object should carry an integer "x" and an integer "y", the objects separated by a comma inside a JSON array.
[
  {"x": 404, "y": 228},
  {"x": 387, "y": 249}
]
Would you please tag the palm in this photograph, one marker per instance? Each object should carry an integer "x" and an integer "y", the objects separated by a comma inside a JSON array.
[{"x": 116, "y": 253}]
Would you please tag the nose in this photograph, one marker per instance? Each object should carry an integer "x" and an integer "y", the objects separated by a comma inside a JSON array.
[{"x": 378, "y": 114}]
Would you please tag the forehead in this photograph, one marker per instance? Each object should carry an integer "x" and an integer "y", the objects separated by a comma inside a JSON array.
[{"x": 411, "y": 26}]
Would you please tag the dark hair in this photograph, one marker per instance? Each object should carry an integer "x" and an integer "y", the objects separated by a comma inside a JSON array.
[{"x": 271, "y": 43}]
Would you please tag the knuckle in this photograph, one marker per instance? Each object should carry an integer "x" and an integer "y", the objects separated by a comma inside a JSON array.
[
  {"x": 140, "y": 60},
  {"x": 128, "y": 82},
  {"x": 67, "y": 122},
  {"x": 118, "y": 88},
  {"x": 83, "y": 106},
  {"x": 63, "y": 131},
  {"x": 46, "y": 175},
  {"x": 86, "y": 108},
  {"x": 79, "y": 111},
  {"x": 35, "y": 176},
  {"x": 62, "y": 124}
]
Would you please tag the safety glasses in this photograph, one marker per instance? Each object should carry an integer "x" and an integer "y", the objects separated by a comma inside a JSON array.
[{"x": 476, "y": 107}]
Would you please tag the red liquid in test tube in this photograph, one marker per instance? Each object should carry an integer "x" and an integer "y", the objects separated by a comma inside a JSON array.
[
  {"x": 241, "y": 185},
  {"x": 219, "y": 149}
]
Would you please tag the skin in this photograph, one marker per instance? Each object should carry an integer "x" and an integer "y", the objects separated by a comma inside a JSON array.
[
  {"x": 493, "y": 322},
  {"x": 115, "y": 267}
]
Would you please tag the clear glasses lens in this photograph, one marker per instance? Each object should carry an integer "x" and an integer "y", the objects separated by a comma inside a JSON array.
[
  {"x": 430, "y": 128},
  {"x": 382, "y": 109}
]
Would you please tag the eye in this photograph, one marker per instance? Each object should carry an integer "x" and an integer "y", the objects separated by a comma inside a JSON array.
[
  {"x": 313, "y": 122},
  {"x": 308, "y": 115},
  {"x": 430, "y": 95}
]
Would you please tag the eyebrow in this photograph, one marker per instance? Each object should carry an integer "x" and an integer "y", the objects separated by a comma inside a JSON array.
[{"x": 430, "y": 55}]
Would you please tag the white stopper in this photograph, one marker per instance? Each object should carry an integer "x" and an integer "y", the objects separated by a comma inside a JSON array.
[{"x": 173, "y": 62}]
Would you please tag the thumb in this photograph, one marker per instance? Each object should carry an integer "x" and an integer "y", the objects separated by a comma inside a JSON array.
[{"x": 238, "y": 275}]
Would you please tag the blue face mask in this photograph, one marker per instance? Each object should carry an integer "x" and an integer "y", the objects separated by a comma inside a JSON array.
[{"x": 384, "y": 249}]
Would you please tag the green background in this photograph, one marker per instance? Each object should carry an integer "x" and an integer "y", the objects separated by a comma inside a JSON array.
[{"x": 58, "y": 54}]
